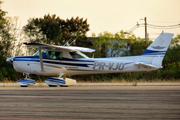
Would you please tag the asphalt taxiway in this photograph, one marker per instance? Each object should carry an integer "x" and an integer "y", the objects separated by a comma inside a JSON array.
[
  {"x": 90, "y": 102},
  {"x": 104, "y": 84}
]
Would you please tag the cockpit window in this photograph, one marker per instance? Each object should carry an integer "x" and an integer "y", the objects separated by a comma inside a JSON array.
[
  {"x": 50, "y": 54},
  {"x": 76, "y": 55},
  {"x": 54, "y": 55}
]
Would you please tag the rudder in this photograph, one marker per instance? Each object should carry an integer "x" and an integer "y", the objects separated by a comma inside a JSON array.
[{"x": 157, "y": 50}]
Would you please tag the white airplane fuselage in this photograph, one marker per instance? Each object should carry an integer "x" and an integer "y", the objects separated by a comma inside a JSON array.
[{"x": 31, "y": 65}]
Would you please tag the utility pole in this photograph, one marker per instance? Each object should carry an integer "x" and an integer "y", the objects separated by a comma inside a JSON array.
[
  {"x": 145, "y": 22},
  {"x": 137, "y": 25}
]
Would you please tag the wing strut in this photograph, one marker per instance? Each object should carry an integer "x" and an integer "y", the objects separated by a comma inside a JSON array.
[{"x": 41, "y": 60}]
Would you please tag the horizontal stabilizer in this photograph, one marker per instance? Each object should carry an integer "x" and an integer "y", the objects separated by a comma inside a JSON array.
[{"x": 146, "y": 65}]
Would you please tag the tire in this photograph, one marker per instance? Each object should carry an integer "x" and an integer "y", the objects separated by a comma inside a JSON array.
[
  {"x": 63, "y": 85},
  {"x": 23, "y": 86},
  {"x": 52, "y": 85}
]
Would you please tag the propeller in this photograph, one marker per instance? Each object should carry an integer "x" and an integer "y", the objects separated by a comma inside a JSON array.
[{"x": 10, "y": 60}]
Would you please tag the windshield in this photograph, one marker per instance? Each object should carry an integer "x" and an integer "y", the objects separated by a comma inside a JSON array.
[
  {"x": 76, "y": 55},
  {"x": 37, "y": 53}
]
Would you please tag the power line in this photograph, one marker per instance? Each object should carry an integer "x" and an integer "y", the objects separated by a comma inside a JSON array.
[
  {"x": 153, "y": 26},
  {"x": 165, "y": 26},
  {"x": 175, "y": 26}
]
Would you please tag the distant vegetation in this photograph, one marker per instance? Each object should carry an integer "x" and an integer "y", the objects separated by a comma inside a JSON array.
[{"x": 51, "y": 29}]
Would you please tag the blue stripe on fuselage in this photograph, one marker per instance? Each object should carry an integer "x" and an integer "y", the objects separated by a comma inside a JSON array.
[{"x": 36, "y": 59}]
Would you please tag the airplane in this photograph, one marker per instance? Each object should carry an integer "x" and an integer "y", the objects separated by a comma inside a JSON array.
[{"x": 53, "y": 60}]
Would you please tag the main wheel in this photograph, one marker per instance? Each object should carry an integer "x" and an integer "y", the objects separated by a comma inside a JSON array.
[
  {"x": 63, "y": 85},
  {"x": 24, "y": 86}
]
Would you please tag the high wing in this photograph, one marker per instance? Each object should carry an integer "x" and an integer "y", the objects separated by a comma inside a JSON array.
[{"x": 70, "y": 48}]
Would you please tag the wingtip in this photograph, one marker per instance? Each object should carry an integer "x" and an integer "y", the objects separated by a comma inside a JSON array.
[{"x": 26, "y": 43}]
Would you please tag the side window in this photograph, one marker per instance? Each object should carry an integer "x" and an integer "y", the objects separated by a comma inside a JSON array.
[
  {"x": 77, "y": 55},
  {"x": 54, "y": 55},
  {"x": 49, "y": 55},
  {"x": 59, "y": 55},
  {"x": 37, "y": 53}
]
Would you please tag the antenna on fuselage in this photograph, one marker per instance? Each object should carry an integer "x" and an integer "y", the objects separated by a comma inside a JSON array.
[
  {"x": 72, "y": 41},
  {"x": 67, "y": 43}
]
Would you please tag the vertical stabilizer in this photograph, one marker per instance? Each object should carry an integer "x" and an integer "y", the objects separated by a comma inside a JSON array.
[{"x": 157, "y": 50}]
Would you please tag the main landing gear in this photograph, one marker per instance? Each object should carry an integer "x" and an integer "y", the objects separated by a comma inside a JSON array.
[
  {"x": 52, "y": 81},
  {"x": 62, "y": 82},
  {"x": 25, "y": 82}
]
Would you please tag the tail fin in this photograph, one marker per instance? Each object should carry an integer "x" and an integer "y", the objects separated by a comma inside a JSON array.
[{"x": 155, "y": 53}]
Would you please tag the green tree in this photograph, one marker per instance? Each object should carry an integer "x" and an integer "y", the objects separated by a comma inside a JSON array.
[
  {"x": 5, "y": 35},
  {"x": 172, "y": 57},
  {"x": 138, "y": 46},
  {"x": 54, "y": 30},
  {"x": 17, "y": 37},
  {"x": 9, "y": 34},
  {"x": 2, "y": 18},
  {"x": 114, "y": 44}
]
